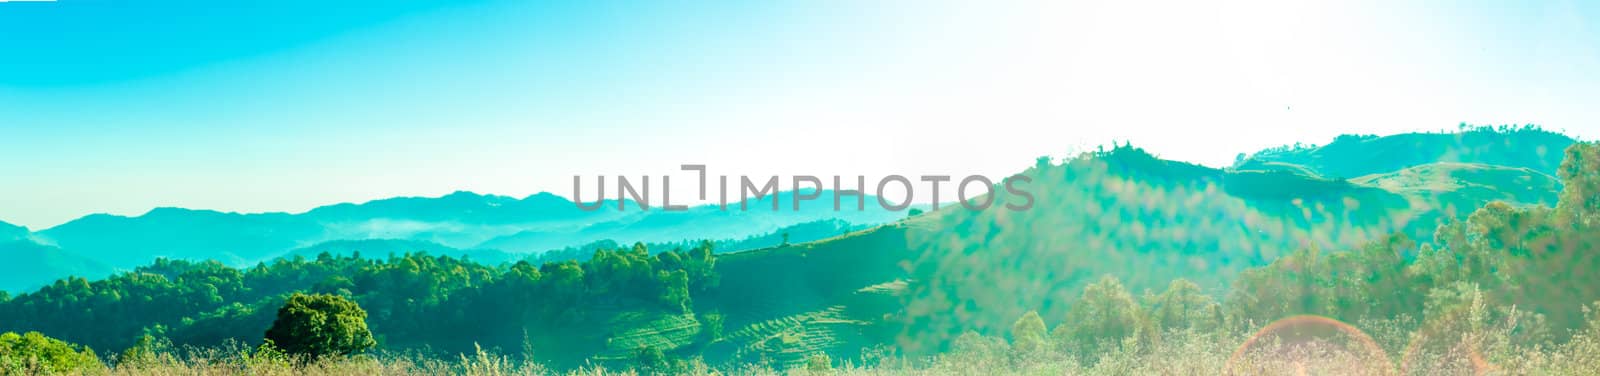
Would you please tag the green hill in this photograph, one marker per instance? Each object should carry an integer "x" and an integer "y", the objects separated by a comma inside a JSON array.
[
  {"x": 1462, "y": 187},
  {"x": 1123, "y": 212},
  {"x": 699, "y": 222},
  {"x": 1351, "y": 156}
]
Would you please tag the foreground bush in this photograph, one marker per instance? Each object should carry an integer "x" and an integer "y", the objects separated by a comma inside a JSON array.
[{"x": 33, "y": 353}]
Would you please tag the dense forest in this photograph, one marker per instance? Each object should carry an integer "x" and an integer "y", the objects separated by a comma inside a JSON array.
[{"x": 1506, "y": 287}]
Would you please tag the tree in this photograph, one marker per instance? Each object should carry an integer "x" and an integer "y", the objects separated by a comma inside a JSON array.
[
  {"x": 33, "y": 353},
  {"x": 650, "y": 358},
  {"x": 711, "y": 326},
  {"x": 320, "y": 325},
  {"x": 819, "y": 364},
  {"x": 147, "y": 349},
  {"x": 674, "y": 290},
  {"x": 1104, "y": 316},
  {"x": 1027, "y": 334},
  {"x": 1184, "y": 306},
  {"x": 1580, "y": 179}
]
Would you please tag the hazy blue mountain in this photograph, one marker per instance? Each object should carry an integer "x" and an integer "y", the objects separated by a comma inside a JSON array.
[
  {"x": 28, "y": 265},
  {"x": 232, "y": 238},
  {"x": 458, "y": 222},
  {"x": 699, "y": 222},
  {"x": 9, "y": 232},
  {"x": 461, "y": 206},
  {"x": 1352, "y": 156},
  {"x": 460, "y": 219}
]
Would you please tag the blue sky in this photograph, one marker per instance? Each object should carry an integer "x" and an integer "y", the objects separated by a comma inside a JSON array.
[{"x": 122, "y": 106}]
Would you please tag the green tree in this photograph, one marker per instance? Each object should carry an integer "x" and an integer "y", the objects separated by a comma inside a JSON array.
[
  {"x": 33, "y": 353},
  {"x": 711, "y": 326},
  {"x": 1104, "y": 316},
  {"x": 1184, "y": 306},
  {"x": 149, "y": 348},
  {"x": 650, "y": 358},
  {"x": 1580, "y": 179},
  {"x": 320, "y": 325},
  {"x": 819, "y": 364},
  {"x": 1028, "y": 334}
]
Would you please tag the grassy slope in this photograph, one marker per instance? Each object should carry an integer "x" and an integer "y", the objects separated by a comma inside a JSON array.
[
  {"x": 1126, "y": 213},
  {"x": 1462, "y": 187},
  {"x": 1350, "y": 157}
]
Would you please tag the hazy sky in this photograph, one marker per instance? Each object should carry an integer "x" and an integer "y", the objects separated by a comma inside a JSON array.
[{"x": 122, "y": 106}]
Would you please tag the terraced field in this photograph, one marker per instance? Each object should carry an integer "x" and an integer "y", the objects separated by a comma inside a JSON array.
[{"x": 662, "y": 331}]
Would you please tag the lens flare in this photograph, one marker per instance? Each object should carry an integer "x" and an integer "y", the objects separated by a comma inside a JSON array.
[{"x": 1378, "y": 361}]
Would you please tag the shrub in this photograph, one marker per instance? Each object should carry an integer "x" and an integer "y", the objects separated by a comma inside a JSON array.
[
  {"x": 33, "y": 353},
  {"x": 320, "y": 325}
]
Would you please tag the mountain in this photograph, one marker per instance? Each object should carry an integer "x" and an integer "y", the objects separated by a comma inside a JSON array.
[
  {"x": 699, "y": 222},
  {"x": 1124, "y": 212},
  {"x": 460, "y": 219},
  {"x": 1351, "y": 156},
  {"x": 458, "y": 222},
  {"x": 233, "y": 238},
  {"x": 9, "y": 232},
  {"x": 29, "y": 265},
  {"x": 463, "y": 207}
]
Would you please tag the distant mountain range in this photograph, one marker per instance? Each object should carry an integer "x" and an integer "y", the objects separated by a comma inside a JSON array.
[{"x": 490, "y": 226}]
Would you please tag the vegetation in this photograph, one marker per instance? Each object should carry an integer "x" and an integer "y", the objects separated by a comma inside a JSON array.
[
  {"x": 320, "y": 325},
  {"x": 34, "y": 353}
]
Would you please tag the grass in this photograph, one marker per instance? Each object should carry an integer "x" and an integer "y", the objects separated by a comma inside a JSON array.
[{"x": 1176, "y": 353}]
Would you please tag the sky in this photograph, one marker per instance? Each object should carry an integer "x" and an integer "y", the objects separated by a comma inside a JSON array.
[{"x": 123, "y": 106}]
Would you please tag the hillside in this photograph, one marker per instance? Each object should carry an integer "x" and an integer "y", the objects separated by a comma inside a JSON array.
[
  {"x": 9, "y": 232},
  {"x": 703, "y": 222},
  {"x": 1123, "y": 213},
  {"x": 1352, "y": 156},
  {"x": 1458, "y": 186},
  {"x": 29, "y": 265}
]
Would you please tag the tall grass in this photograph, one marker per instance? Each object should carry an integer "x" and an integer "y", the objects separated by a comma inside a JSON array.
[{"x": 1186, "y": 352}]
